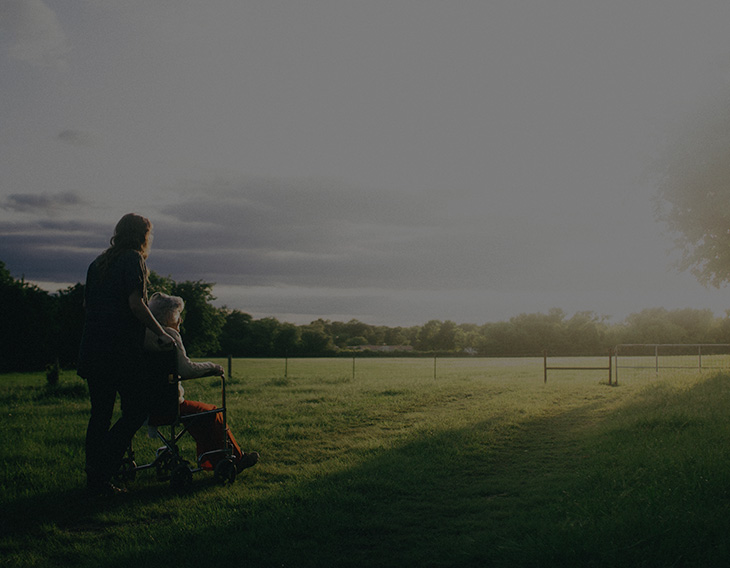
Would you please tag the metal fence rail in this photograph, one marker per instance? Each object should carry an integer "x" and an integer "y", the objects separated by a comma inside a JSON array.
[
  {"x": 655, "y": 351},
  {"x": 546, "y": 368}
]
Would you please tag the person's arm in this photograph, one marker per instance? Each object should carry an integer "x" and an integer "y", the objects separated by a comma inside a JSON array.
[
  {"x": 191, "y": 369},
  {"x": 143, "y": 314}
]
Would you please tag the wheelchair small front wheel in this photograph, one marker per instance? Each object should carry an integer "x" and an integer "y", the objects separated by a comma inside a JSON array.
[
  {"x": 225, "y": 471},
  {"x": 163, "y": 467}
]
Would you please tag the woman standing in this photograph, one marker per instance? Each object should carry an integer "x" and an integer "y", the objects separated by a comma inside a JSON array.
[{"x": 110, "y": 357}]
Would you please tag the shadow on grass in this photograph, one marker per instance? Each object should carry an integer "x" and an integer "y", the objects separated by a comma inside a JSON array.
[
  {"x": 564, "y": 490},
  {"x": 76, "y": 510}
]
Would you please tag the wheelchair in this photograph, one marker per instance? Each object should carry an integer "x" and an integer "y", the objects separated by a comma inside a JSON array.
[{"x": 169, "y": 427}]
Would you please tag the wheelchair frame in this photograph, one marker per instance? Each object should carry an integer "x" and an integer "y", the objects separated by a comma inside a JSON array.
[{"x": 168, "y": 461}]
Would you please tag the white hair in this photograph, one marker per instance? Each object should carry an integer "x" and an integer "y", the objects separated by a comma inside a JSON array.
[{"x": 163, "y": 306}]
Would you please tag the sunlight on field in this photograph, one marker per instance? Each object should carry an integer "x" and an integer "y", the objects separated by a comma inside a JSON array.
[
  {"x": 453, "y": 458},
  {"x": 632, "y": 371},
  {"x": 393, "y": 368}
]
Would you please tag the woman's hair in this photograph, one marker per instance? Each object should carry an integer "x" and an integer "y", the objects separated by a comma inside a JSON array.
[
  {"x": 133, "y": 232},
  {"x": 163, "y": 306}
]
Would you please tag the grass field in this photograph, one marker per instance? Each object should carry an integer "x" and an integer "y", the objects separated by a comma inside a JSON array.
[{"x": 392, "y": 463}]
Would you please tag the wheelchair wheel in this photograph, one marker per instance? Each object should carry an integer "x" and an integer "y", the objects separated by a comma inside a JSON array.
[
  {"x": 225, "y": 471},
  {"x": 163, "y": 467},
  {"x": 181, "y": 477}
]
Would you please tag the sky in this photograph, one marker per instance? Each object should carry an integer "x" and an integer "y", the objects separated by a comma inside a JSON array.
[{"x": 390, "y": 161}]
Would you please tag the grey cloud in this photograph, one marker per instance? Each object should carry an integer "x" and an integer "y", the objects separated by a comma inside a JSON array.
[
  {"x": 76, "y": 137},
  {"x": 267, "y": 232},
  {"x": 307, "y": 235},
  {"x": 45, "y": 202},
  {"x": 37, "y": 37},
  {"x": 290, "y": 199},
  {"x": 361, "y": 306},
  {"x": 50, "y": 250}
]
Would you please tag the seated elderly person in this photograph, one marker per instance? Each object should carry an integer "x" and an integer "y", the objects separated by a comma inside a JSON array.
[{"x": 208, "y": 433}]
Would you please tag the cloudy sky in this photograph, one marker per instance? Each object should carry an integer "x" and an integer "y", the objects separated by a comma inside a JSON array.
[{"x": 391, "y": 161}]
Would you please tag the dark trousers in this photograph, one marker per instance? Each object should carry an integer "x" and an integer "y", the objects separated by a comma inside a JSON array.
[{"x": 106, "y": 444}]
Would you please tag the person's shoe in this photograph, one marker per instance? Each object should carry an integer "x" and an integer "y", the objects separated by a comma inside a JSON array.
[
  {"x": 105, "y": 489},
  {"x": 248, "y": 459}
]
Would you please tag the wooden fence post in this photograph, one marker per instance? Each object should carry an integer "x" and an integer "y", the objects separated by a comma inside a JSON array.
[{"x": 610, "y": 370}]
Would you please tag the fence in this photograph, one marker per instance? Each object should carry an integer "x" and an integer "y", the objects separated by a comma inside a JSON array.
[
  {"x": 433, "y": 358},
  {"x": 625, "y": 361},
  {"x": 417, "y": 368},
  {"x": 677, "y": 356},
  {"x": 576, "y": 368}
]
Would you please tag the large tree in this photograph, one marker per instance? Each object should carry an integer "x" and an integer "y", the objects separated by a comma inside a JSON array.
[
  {"x": 234, "y": 337},
  {"x": 28, "y": 328},
  {"x": 203, "y": 322},
  {"x": 693, "y": 198}
]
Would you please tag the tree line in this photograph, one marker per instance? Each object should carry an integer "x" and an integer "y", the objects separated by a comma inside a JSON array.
[{"x": 39, "y": 328}]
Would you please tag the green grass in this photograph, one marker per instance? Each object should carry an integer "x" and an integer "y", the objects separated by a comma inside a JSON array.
[{"x": 484, "y": 465}]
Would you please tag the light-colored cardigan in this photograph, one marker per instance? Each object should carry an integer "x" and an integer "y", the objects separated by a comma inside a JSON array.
[{"x": 186, "y": 368}]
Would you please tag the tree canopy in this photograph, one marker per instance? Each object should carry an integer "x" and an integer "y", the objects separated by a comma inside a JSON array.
[
  {"x": 39, "y": 328},
  {"x": 693, "y": 199}
]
